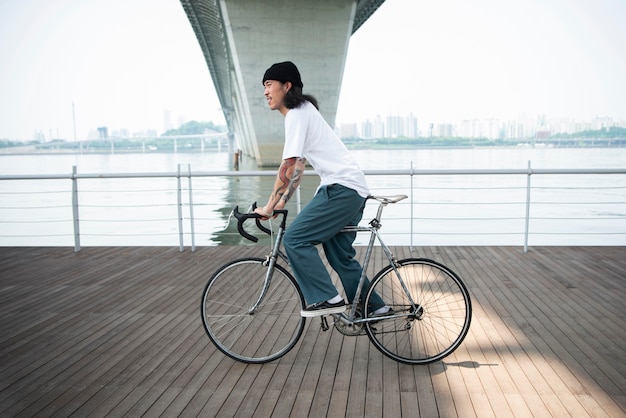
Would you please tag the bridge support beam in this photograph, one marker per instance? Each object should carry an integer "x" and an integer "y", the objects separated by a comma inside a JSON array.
[{"x": 255, "y": 34}]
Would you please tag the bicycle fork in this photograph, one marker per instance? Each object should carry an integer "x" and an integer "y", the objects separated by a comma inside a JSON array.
[{"x": 270, "y": 262}]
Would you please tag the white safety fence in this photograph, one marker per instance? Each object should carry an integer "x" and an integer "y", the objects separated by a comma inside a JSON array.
[{"x": 445, "y": 207}]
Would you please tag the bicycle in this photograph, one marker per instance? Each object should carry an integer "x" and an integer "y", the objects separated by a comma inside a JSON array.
[{"x": 251, "y": 306}]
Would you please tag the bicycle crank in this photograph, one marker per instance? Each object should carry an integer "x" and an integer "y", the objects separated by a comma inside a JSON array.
[{"x": 350, "y": 330}]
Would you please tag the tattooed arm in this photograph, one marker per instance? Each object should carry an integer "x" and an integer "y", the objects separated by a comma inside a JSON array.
[{"x": 287, "y": 181}]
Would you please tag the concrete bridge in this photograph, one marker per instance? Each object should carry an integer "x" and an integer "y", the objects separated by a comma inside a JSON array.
[{"x": 240, "y": 39}]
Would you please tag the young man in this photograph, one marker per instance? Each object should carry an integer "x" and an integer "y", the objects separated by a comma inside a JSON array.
[{"x": 338, "y": 202}]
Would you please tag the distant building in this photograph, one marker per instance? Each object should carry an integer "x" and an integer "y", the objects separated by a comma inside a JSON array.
[
  {"x": 411, "y": 126},
  {"x": 394, "y": 127},
  {"x": 167, "y": 120},
  {"x": 445, "y": 130},
  {"x": 378, "y": 127},
  {"x": 542, "y": 134},
  {"x": 401, "y": 126},
  {"x": 103, "y": 132},
  {"x": 366, "y": 129}
]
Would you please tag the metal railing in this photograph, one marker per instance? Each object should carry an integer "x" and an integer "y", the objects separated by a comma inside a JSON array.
[{"x": 456, "y": 204}]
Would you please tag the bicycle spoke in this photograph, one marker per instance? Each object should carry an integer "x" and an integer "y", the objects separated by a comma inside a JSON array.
[
  {"x": 258, "y": 336},
  {"x": 441, "y": 323}
]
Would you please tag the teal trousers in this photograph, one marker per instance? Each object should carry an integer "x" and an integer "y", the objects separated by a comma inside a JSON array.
[{"x": 332, "y": 208}]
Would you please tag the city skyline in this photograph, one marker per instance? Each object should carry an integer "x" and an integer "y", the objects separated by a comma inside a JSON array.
[
  {"x": 123, "y": 64},
  {"x": 411, "y": 126},
  {"x": 525, "y": 127}
]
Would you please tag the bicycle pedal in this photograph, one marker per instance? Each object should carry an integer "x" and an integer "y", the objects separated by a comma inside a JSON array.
[{"x": 324, "y": 321}]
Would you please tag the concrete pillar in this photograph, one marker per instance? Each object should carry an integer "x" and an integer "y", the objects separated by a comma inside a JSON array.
[{"x": 313, "y": 34}]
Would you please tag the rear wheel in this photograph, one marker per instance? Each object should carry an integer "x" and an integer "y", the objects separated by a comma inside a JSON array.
[
  {"x": 431, "y": 328},
  {"x": 240, "y": 327}
]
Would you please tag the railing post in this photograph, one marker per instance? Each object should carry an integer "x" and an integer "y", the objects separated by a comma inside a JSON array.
[
  {"x": 75, "y": 210},
  {"x": 191, "y": 218},
  {"x": 527, "y": 218},
  {"x": 298, "y": 201},
  {"x": 411, "y": 204},
  {"x": 180, "y": 212}
]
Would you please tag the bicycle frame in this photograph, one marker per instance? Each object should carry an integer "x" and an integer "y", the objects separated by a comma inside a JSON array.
[
  {"x": 374, "y": 236},
  {"x": 374, "y": 226}
]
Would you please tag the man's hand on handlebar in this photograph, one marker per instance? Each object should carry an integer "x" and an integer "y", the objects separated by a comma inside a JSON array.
[
  {"x": 258, "y": 214},
  {"x": 264, "y": 215}
]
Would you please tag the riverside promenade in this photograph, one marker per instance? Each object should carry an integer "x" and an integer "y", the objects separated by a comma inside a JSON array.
[{"x": 116, "y": 331}]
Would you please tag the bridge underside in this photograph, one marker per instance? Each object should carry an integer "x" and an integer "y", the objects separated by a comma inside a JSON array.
[{"x": 240, "y": 39}]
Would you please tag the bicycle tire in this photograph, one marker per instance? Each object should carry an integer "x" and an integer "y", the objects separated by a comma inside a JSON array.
[
  {"x": 264, "y": 335},
  {"x": 441, "y": 322}
]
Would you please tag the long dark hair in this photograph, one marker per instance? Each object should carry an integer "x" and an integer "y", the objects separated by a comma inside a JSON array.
[{"x": 294, "y": 98}]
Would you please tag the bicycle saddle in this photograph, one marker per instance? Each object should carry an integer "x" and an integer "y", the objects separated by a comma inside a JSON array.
[{"x": 389, "y": 199}]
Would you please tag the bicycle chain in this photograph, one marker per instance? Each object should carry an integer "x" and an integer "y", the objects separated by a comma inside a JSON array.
[{"x": 354, "y": 330}]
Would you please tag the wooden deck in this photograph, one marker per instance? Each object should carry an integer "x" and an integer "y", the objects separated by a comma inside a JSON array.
[{"x": 117, "y": 332}]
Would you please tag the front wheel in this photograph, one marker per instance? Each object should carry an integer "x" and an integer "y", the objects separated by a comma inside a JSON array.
[
  {"x": 432, "y": 311},
  {"x": 247, "y": 320}
]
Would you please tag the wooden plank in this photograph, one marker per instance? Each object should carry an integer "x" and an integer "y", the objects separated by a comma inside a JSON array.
[
  {"x": 338, "y": 403},
  {"x": 115, "y": 331},
  {"x": 358, "y": 382},
  {"x": 315, "y": 344},
  {"x": 323, "y": 390}
]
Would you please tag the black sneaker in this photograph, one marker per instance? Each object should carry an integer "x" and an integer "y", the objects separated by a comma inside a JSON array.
[{"x": 323, "y": 308}]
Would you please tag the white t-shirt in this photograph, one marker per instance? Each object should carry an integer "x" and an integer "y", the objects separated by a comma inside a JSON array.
[{"x": 308, "y": 135}]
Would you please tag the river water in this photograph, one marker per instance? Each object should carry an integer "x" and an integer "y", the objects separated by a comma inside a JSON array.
[{"x": 446, "y": 209}]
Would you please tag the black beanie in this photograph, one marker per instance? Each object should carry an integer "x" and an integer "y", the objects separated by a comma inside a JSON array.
[{"x": 284, "y": 71}]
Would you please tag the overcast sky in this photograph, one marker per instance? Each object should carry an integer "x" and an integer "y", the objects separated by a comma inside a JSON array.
[{"x": 122, "y": 63}]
